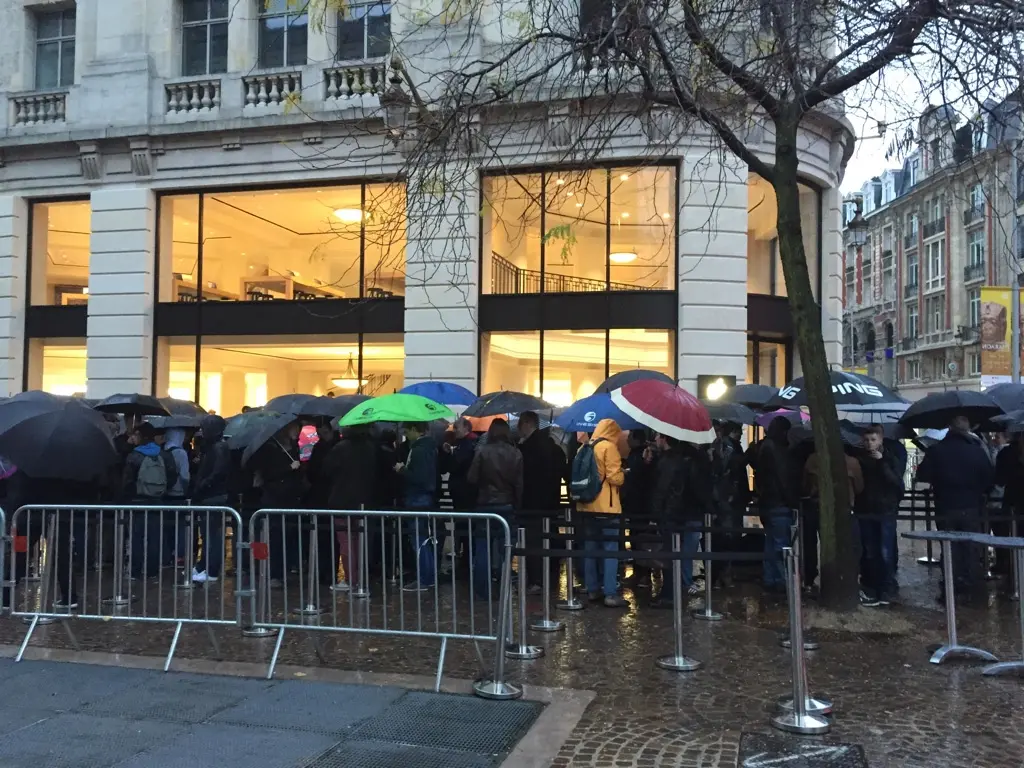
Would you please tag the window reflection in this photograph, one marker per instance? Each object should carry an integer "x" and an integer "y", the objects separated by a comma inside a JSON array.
[
  {"x": 57, "y": 366},
  {"x": 764, "y": 263},
  {"x": 60, "y": 253}
]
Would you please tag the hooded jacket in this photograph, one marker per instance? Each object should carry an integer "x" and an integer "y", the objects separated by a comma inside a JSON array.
[
  {"x": 212, "y": 479},
  {"x": 497, "y": 472},
  {"x": 174, "y": 444},
  {"x": 609, "y": 467},
  {"x": 352, "y": 466}
]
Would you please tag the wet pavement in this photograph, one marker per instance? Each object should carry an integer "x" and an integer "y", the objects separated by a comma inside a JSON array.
[{"x": 889, "y": 700}]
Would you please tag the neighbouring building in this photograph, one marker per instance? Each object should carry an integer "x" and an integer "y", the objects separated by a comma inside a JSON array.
[
  {"x": 200, "y": 198},
  {"x": 939, "y": 228}
]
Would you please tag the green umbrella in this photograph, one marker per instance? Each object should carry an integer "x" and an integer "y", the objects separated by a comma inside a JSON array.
[{"x": 397, "y": 407}]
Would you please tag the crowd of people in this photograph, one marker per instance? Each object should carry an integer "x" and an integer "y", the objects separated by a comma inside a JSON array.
[{"x": 639, "y": 482}]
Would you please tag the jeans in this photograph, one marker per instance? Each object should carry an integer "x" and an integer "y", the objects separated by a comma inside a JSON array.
[
  {"x": 872, "y": 569},
  {"x": 890, "y": 552},
  {"x": 777, "y": 522},
  {"x": 608, "y": 528},
  {"x": 145, "y": 537},
  {"x": 810, "y": 525},
  {"x": 424, "y": 546},
  {"x": 210, "y": 525},
  {"x": 966, "y": 557},
  {"x": 691, "y": 542},
  {"x": 487, "y": 559}
]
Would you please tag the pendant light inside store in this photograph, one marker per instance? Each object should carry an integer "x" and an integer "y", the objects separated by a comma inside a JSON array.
[
  {"x": 622, "y": 257},
  {"x": 350, "y": 215},
  {"x": 350, "y": 379}
]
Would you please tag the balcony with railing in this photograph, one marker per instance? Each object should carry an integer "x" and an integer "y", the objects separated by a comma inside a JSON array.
[
  {"x": 271, "y": 92},
  {"x": 507, "y": 278},
  {"x": 933, "y": 228},
  {"x": 974, "y": 215},
  {"x": 37, "y": 108},
  {"x": 974, "y": 272},
  {"x": 910, "y": 241},
  {"x": 910, "y": 290},
  {"x": 908, "y": 343}
]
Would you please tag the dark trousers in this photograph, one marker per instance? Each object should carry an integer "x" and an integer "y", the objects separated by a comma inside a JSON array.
[
  {"x": 145, "y": 532},
  {"x": 872, "y": 566},
  {"x": 966, "y": 557},
  {"x": 810, "y": 526}
]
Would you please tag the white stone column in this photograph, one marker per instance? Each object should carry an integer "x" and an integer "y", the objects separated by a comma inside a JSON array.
[
  {"x": 832, "y": 275},
  {"x": 712, "y": 267},
  {"x": 13, "y": 262},
  {"x": 442, "y": 276},
  {"x": 121, "y": 296}
]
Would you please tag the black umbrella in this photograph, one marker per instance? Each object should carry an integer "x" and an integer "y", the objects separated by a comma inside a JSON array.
[
  {"x": 622, "y": 378},
  {"x": 751, "y": 395},
  {"x": 293, "y": 403},
  {"x": 858, "y": 398},
  {"x": 935, "y": 411},
  {"x": 266, "y": 434},
  {"x": 132, "y": 405},
  {"x": 734, "y": 412},
  {"x": 1008, "y": 396},
  {"x": 329, "y": 407},
  {"x": 241, "y": 429},
  {"x": 505, "y": 401},
  {"x": 848, "y": 433},
  {"x": 175, "y": 421},
  {"x": 182, "y": 407},
  {"x": 1003, "y": 421},
  {"x": 55, "y": 437}
]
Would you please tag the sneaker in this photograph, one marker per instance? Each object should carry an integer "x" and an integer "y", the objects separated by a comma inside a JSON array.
[
  {"x": 868, "y": 601},
  {"x": 212, "y": 579},
  {"x": 534, "y": 589},
  {"x": 60, "y": 605},
  {"x": 695, "y": 589},
  {"x": 341, "y": 586},
  {"x": 615, "y": 601},
  {"x": 595, "y": 597},
  {"x": 417, "y": 587},
  {"x": 200, "y": 577}
]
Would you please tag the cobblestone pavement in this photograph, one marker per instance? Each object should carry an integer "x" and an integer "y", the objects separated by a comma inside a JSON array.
[{"x": 903, "y": 710}]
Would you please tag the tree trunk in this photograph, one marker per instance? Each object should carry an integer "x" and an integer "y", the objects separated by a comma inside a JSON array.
[{"x": 838, "y": 563}]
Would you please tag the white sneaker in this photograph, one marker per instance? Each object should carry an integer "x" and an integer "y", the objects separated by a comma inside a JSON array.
[
  {"x": 212, "y": 579},
  {"x": 200, "y": 577},
  {"x": 341, "y": 586}
]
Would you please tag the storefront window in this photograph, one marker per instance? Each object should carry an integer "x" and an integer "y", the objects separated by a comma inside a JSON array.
[
  {"x": 764, "y": 262},
  {"x": 630, "y": 348},
  {"x": 510, "y": 361},
  {"x": 342, "y": 242},
  {"x": 767, "y": 362},
  {"x": 577, "y": 231},
  {"x": 238, "y": 371},
  {"x": 574, "y": 365},
  {"x": 57, "y": 366},
  {"x": 60, "y": 253}
]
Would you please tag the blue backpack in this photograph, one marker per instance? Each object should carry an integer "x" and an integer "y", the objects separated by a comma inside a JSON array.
[{"x": 586, "y": 478}]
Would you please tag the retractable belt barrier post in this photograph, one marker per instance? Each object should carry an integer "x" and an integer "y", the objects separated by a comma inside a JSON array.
[
  {"x": 678, "y": 661},
  {"x": 796, "y": 538},
  {"x": 155, "y": 540},
  {"x": 259, "y": 594},
  {"x": 1017, "y": 573},
  {"x": 570, "y": 603},
  {"x": 929, "y": 524},
  {"x": 707, "y": 614},
  {"x": 546, "y": 623},
  {"x": 521, "y": 649}
]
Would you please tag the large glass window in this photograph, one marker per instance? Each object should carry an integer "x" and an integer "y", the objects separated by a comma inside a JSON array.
[
  {"x": 364, "y": 30},
  {"x": 238, "y": 371},
  {"x": 291, "y": 244},
  {"x": 60, "y": 253},
  {"x": 576, "y": 231},
  {"x": 55, "y": 49},
  {"x": 284, "y": 31},
  {"x": 57, "y": 366},
  {"x": 563, "y": 366},
  {"x": 764, "y": 262},
  {"x": 767, "y": 362},
  {"x": 204, "y": 37}
]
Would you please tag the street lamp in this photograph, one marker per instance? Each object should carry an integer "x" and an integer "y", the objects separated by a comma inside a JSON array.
[
  {"x": 396, "y": 104},
  {"x": 857, "y": 229}
]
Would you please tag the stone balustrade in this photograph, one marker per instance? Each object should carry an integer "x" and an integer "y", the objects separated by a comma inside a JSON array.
[
  {"x": 342, "y": 83},
  {"x": 193, "y": 97},
  {"x": 39, "y": 108},
  {"x": 271, "y": 91}
]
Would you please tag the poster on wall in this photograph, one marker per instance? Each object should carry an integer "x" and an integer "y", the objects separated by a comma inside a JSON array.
[{"x": 995, "y": 333}]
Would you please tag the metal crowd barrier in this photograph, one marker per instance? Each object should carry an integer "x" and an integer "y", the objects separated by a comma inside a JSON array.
[
  {"x": 295, "y": 553},
  {"x": 121, "y": 563}
]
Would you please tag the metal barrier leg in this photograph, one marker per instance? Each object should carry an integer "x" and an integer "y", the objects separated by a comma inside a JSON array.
[
  {"x": 28, "y": 636},
  {"x": 118, "y": 599},
  {"x": 570, "y": 603},
  {"x": 310, "y": 608},
  {"x": 678, "y": 662},
  {"x": 174, "y": 645},
  {"x": 1017, "y": 574},
  {"x": 497, "y": 688},
  {"x": 440, "y": 665},
  {"x": 798, "y": 720},
  {"x": 522, "y": 650},
  {"x": 47, "y": 553},
  {"x": 707, "y": 614},
  {"x": 952, "y": 648},
  {"x": 1013, "y": 666},
  {"x": 277, "y": 652},
  {"x": 190, "y": 552},
  {"x": 359, "y": 590},
  {"x": 546, "y": 623},
  {"x": 260, "y": 601}
]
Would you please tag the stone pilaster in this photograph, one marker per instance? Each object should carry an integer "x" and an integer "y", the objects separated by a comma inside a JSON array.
[{"x": 13, "y": 262}]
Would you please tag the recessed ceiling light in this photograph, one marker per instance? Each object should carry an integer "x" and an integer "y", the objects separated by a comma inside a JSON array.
[
  {"x": 559, "y": 182},
  {"x": 350, "y": 215},
  {"x": 570, "y": 193},
  {"x": 624, "y": 177},
  {"x": 666, "y": 215},
  {"x": 624, "y": 215},
  {"x": 579, "y": 205}
]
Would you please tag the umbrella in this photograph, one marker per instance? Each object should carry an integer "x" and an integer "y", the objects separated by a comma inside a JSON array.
[
  {"x": 506, "y": 401},
  {"x": 583, "y": 415},
  {"x": 750, "y": 395},
  {"x": 858, "y": 398},
  {"x": 444, "y": 392},
  {"x": 132, "y": 405},
  {"x": 793, "y": 417},
  {"x": 622, "y": 378},
  {"x": 182, "y": 407},
  {"x": 175, "y": 421},
  {"x": 241, "y": 429},
  {"x": 667, "y": 409},
  {"x": 55, "y": 437},
  {"x": 1008, "y": 396},
  {"x": 849, "y": 433},
  {"x": 397, "y": 407},
  {"x": 328, "y": 407},
  {"x": 264, "y": 432},
  {"x": 734, "y": 412},
  {"x": 293, "y": 403},
  {"x": 935, "y": 410},
  {"x": 1003, "y": 421}
]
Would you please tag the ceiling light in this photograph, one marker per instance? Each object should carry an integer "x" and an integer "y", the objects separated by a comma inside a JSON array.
[
  {"x": 579, "y": 205},
  {"x": 350, "y": 380},
  {"x": 559, "y": 182},
  {"x": 624, "y": 177},
  {"x": 624, "y": 215},
  {"x": 622, "y": 257},
  {"x": 666, "y": 215},
  {"x": 350, "y": 215},
  {"x": 570, "y": 193},
  {"x": 86, "y": 290}
]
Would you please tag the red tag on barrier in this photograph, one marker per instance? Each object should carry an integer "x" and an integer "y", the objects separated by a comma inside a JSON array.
[
  {"x": 260, "y": 551},
  {"x": 21, "y": 544}
]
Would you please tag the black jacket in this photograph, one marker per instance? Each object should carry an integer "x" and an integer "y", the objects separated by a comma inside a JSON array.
[
  {"x": 729, "y": 474},
  {"x": 959, "y": 471},
  {"x": 1010, "y": 475},
  {"x": 669, "y": 492},
  {"x": 456, "y": 464},
  {"x": 210, "y": 483},
  {"x": 420, "y": 474},
  {"x": 883, "y": 485},
  {"x": 497, "y": 472},
  {"x": 352, "y": 465},
  {"x": 774, "y": 477},
  {"x": 543, "y": 469}
]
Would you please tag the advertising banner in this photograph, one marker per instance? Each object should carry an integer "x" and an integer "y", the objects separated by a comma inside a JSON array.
[{"x": 995, "y": 333}]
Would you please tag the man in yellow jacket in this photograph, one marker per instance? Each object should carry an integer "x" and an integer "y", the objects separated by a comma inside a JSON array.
[{"x": 608, "y": 504}]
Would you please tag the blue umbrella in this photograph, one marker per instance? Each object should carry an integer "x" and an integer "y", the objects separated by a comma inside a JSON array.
[
  {"x": 583, "y": 415},
  {"x": 444, "y": 392}
]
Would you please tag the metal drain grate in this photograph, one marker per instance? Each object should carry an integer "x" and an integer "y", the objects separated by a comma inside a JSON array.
[
  {"x": 373, "y": 754},
  {"x": 759, "y": 750},
  {"x": 447, "y": 721}
]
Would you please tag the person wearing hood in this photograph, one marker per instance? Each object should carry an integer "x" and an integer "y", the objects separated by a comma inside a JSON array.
[
  {"x": 352, "y": 464},
  {"x": 149, "y": 475},
  {"x": 602, "y": 522},
  {"x": 210, "y": 488},
  {"x": 777, "y": 496},
  {"x": 419, "y": 476}
]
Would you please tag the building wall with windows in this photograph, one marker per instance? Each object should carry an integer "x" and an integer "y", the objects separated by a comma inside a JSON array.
[{"x": 200, "y": 198}]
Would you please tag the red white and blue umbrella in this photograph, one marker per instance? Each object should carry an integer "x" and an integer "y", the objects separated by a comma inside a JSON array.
[{"x": 667, "y": 409}]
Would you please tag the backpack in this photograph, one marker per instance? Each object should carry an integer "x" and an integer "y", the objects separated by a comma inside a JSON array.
[
  {"x": 586, "y": 478},
  {"x": 155, "y": 477}
]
